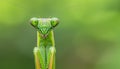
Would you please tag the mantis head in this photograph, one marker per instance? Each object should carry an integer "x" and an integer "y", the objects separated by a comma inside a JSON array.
[{"x": 44, "y": 25}]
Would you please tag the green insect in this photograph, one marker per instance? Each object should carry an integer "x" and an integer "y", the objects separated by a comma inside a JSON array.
[{"x": 45, "y": 51}]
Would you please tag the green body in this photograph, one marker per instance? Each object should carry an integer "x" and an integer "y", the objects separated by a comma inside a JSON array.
[{"x": 45, "y": 51}]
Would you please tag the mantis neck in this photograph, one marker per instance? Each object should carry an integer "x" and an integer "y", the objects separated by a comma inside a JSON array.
[{"x": 47, "y": 41}]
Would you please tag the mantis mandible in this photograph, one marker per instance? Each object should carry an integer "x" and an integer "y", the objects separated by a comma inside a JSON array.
[{"x": 44, "y": 53}]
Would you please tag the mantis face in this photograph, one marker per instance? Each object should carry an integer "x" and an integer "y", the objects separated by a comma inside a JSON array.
[{"x": 44, "y": 25}]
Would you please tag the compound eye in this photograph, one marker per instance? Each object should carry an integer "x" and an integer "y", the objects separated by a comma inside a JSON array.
[
  {"x": 54, "y": 22},
  {"x": 34, "y": 22}
]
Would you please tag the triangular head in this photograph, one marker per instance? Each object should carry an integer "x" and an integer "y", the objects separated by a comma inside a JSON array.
[{"x": 44, "y": 25}]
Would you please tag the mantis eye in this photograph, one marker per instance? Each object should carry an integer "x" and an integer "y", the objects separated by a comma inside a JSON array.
[
  {"x": 34, "y": 22},
  {"x": 54, "y": 22}
]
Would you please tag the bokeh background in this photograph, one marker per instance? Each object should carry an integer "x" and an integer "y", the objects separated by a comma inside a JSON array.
[{"x": 88, "y": 36}]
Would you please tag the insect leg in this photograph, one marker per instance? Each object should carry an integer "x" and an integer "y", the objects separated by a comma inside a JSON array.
[
  {"x": 39, "y": 58},
  {"x": 51, "y": 58}
]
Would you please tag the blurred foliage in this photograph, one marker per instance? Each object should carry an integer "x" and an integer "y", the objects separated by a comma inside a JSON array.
[{"x": 88, "y": 36}]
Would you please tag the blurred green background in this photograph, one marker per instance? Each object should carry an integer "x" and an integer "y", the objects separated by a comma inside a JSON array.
[{"x": 88, "y": 36}]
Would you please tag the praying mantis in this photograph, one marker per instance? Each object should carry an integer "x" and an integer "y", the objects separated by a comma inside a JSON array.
[{"x": 44, "y": 53}]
